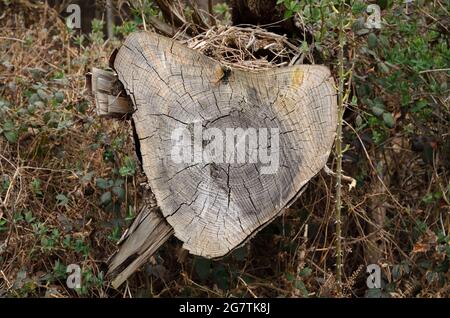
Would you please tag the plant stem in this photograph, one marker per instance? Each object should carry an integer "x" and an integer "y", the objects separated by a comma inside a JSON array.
[
  {"x": 341, "y": 74},
  {"x": 109, "y": 19}
]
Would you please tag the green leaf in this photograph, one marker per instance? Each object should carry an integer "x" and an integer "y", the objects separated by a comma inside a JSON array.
[
  {"x": 305, "y": 272},
  {"x": 298, "y": 284},
  {"x": 119, "y": 192},
  {"x": 87, "y": 177},
  {"x": 389, "y": 120},
  {"x": 11, "y": 136},
  {"x": 42, "y": 94},
  {"x": 290, "y": 277},
  {"x": 3, "y": 226},
  {"x": 130, "y": 214},
  {"x": 29, "y": 217},
  {"x": 118, "y": 182},
  {"x": 372, "y": 41},
  {"x": 62, "y": 200},
  {"x": 377, "y": 111},
  {"x": 419, "y": 105},
  {"x": 383, "y": 67},
  {"x": 103, "y": 183},
  {"x": 36, "y": 186},
  {"x": 106, "y": 198},
  {"x": 129, "y": 167},
  {"x": 34, "y": 98},
  {"x": 115, "y": 234},
  {"x": 59, "y": 96},
  {"x": 362, "y": 31},
  {"x": 358, "y": 121},
  {"x": 8, "y": 125}
]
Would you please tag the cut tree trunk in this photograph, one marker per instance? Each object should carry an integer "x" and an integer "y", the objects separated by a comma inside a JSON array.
[{"x": 211, "y": 202}]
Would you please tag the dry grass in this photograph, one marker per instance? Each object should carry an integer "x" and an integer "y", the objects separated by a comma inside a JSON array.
[
  {"x": 59, "y": 150},
  {"x": 248, "y": 48}
]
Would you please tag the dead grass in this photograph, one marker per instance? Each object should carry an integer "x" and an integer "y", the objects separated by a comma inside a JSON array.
[{"x": 248, "y": 48}]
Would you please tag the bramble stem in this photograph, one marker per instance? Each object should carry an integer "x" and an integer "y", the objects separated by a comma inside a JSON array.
[{"x": 341, "y": 101}]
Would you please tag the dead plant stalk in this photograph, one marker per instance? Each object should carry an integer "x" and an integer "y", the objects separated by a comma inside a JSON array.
[{"x": 342, "y": 97}]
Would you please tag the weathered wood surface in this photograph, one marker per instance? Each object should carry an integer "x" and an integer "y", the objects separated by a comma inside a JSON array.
[
  {"x": 147, "y": 233},
  {"x": 108, "y": 93},
  {"x": 215, "y": 207}
]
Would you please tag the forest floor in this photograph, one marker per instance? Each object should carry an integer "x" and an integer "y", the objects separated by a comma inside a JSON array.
[{"x": 70, "y": 185}]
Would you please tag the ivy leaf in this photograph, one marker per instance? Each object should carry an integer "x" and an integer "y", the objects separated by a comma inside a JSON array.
[
  {"x": 103, "y": 183},
  {"x": 119, "y": 192},
  {"x": 59, "y": 97},
  {"x": 11, "y": 136},
  {"x": 62, "y": 200},
  {"x": 106, "y": 198},
  {"x": 372, "y": 41},
  {"x": 389, "y": 120},
  {"x": 87, "y": 177},
  {"x": 377, "y": 111},
  {"x": 8, "y": 126}
]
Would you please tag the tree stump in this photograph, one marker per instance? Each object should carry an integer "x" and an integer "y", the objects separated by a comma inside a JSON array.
[{"x": 225, "y": 151}]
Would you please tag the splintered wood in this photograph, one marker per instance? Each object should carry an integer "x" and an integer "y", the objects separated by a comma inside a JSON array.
[{"x": 212, "y": 205}]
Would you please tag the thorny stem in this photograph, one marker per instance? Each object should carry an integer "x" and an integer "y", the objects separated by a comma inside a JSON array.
[{"x": 341, "y": 101}]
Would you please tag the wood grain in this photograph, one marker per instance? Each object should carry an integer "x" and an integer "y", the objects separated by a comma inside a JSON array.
[{"x": 215, "y": 207}]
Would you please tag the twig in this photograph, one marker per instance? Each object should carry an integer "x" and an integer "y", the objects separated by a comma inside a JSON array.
[
  {"x": 143, "y": 16},
  {"x": 435, "y": 70},
  {"x": 12, "y": 39},
  {"x": 351, "y": 180},
  {"x": 248, "y": 288},
  {"x": 109, "y": 19},
  {"x": 8, "y": 284},
  {"x": 211, "y": 13}
]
